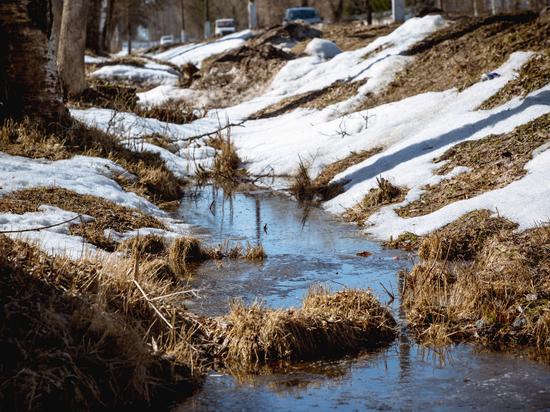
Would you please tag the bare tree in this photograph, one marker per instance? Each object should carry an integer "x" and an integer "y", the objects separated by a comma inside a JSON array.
[
  {"x": 72, "y": 43},
  {"x": 29, "y": 83}
]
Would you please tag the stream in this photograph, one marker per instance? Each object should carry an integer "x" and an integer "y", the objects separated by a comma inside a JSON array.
[{"x": 305, "y": 245}]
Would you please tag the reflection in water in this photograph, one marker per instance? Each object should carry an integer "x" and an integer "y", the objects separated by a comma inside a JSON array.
[{"x": 305, "y": 245}]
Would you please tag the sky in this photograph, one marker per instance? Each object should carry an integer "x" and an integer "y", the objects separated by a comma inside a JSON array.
[{"x": 412, "y": 132}]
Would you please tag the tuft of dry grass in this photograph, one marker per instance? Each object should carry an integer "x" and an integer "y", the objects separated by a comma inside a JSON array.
[
  {"x": 385, "y": 194},
  {"x": 465, "y": 238},
  {"x": 328, "y": 323},
  {"x": 227, "y": 164},
  {"x": 502, "y": 296},
  {"x": 188, "y": 249},
  {"x": 304, "y": 188}
]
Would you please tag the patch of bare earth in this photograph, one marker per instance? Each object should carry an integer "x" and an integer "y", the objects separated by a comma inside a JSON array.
[
  {"x": 458, "y": 55},
  {"x": 532, "y": 76},
  {"x": 495, "y": 162}
]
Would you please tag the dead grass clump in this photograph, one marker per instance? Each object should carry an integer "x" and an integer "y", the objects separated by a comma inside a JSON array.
[
  {"x": 254, "y": 252},
  {"x": 533, "y": 75},
  {"x": 464, "y": 238},
  {"x": 495, "y": 162},
  {"x": 148, "y": 245},
  {"x": 385, "y": 194},
  {"x": 74, "y": 336},
  {"x": 100, "y": 93},
  {"x": 502, "y": 296},
  {"x": 227, "y": 164},
  {"x": 328, "y": 323},
  {"x": 169, "y": 112},
  {"x": 188, "y": 249},
  {"x": 304, "y": 188}
]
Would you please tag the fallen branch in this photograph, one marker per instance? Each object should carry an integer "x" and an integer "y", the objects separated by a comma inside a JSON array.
[
  {"x": 227, "y": 126},
  {"x": 39, "y": 228}
]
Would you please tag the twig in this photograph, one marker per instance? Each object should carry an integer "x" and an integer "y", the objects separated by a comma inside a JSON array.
[
  {"x": 192, "y": 291},
  {"x": 389, "y": 294},
  {"x": 227, "y": 126},
  {"x": 40, "y": 228},
  {"x": 153, "y": 306}
]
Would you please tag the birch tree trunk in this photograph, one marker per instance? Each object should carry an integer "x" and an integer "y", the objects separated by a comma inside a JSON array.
[
  {"x": 72, "y": 43},
  {"x": 29, "y": 82}
]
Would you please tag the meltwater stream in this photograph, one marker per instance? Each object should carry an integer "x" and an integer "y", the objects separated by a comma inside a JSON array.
[{"x": 305, "y": 245}]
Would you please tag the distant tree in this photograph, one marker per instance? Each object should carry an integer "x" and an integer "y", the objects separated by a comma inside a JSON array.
[
  {"x": 29, "y": 82},
  {"x": 72, "y": 43},
  {"x": 94, "y": 31}
]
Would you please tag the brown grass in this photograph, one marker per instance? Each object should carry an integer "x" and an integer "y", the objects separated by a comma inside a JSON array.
[
  {"x": 532, "y": 76},
  {"x": 385, "y": 194},
  {"x": 458, "y": 55},
  {"x": 304, "y": 188},
  {"x": 155, "y": 181},
  {"x": 465, "y": 238},
  {"x": 108, "y": 215},
  {"x": 227, "y": 164},
  {"x": 495, "y": 160},
  {"x": 337, "y": 92},
  {"x": 328, "y": 324},
  {"x": 76, "y": 336},
  {"x": 502, "y": 296},
  {"x": 188, "y": 250}
]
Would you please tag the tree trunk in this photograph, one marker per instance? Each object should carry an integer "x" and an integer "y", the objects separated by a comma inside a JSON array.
[
  {"x": 337, "y": 10},
  {"x": 129, "y": 27},
  {"x": 29, "y": 83},
  {"x": 108, "y": 25},
  {"x": 369, "y": 12},
  {"x": 72, "y": 43},
  {"x": 57, "y": 9},
  {"x": 93, "y": 27}
]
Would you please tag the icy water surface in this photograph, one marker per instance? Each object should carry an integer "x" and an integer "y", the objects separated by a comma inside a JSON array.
[{"x": 305, "y": 245}]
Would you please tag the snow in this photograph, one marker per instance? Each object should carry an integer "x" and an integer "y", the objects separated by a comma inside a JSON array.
[
  {"x": 412, "y": 132},
  {"x": 196, "y": 53},
  {"x": 325, "y": 49}
]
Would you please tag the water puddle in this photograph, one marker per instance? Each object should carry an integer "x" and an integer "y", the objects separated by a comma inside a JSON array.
[{"x": 305, "y": 245}]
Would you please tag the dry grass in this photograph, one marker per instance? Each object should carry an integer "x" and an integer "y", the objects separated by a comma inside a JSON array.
[
  {"x": 328, "y": 324},
  {"x": 154, "y": 180},
  {"x": 465, "y": 238},
  {"x": 457, "y": 56},
  {"x": 81, "y": 336},
  {"x": 495, "y": 162},
  {"x": 170, "y": 112},
  {"x": 532, "y": 76},
  {"x": 337, "y": 92},
  {"x": 227, "y": 164},
  {"x": 385, "y": 194},
  {"x": 188, "y": 250},
  {"x": 502, "y": 296},
  {"x": 304, "y": 188},
  {"x": 108, "y": 215}
]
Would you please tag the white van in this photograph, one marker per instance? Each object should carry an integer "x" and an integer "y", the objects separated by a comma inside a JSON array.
[
  {"x": 224, "y": 26},
  {"x": 168, "y": 39}
]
